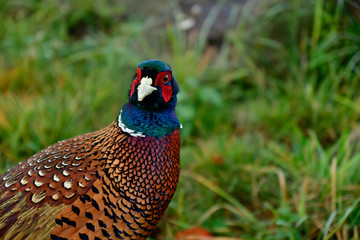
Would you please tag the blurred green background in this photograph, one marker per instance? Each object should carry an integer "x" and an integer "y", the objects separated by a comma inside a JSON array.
[{"x": 269, "y": 102}]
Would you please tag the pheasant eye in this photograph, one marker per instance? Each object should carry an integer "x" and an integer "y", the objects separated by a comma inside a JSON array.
[{"x": 166, "y": 79}]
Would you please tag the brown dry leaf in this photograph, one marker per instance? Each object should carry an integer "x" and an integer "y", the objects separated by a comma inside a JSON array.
[
  {"x": 193, "y": 233},
  {"x": 198, "y": 233},
  {"x": 217, "y": 159}
]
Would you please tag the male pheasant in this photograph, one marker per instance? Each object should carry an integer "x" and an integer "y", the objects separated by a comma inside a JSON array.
[{"x": 114, "y": 183}]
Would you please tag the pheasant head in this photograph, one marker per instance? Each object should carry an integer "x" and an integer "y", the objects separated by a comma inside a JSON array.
[
  {"x": 152, "y": 101},
  {"x": 154, "y": 87}
]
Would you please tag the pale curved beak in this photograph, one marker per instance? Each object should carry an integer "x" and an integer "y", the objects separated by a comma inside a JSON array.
[{"x": 145, "y": 88}]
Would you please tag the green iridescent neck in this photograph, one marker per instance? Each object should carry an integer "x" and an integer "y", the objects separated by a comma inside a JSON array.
[{"x": 141, "y": 123}]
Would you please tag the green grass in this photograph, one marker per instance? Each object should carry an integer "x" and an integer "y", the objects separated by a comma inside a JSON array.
[{"x": 271, "y": 120}]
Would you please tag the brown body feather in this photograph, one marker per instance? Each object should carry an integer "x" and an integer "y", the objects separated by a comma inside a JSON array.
[{"x": 101, "y": 185}]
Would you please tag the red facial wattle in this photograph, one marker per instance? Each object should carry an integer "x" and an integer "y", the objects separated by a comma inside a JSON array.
[
  {"x": 136, "y": 81},
  {"x": 163, "y": 80},
  {"x": 166, "y": 92}
]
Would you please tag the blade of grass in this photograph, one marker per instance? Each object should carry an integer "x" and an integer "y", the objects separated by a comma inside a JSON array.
[{"x": 246, "y": 214}]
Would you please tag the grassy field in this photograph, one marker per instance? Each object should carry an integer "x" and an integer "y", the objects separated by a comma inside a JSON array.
[{"x": 271, "y": 119}]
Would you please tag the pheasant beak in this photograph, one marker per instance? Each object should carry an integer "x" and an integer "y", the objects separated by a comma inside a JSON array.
[{"x": 145, "y": 88}]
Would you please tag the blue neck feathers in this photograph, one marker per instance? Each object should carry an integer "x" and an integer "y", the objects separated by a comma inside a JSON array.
[{"x": 141, "y": 123}]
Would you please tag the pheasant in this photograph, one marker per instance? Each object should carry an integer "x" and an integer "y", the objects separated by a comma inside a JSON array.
[{"x": 114, "y": 183}]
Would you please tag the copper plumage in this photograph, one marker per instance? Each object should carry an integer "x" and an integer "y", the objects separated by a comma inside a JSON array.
[{"x": 114, "y": 183}]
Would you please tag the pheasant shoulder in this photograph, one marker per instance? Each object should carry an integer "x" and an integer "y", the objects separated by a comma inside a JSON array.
[{"x": 36, "y": 190}]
